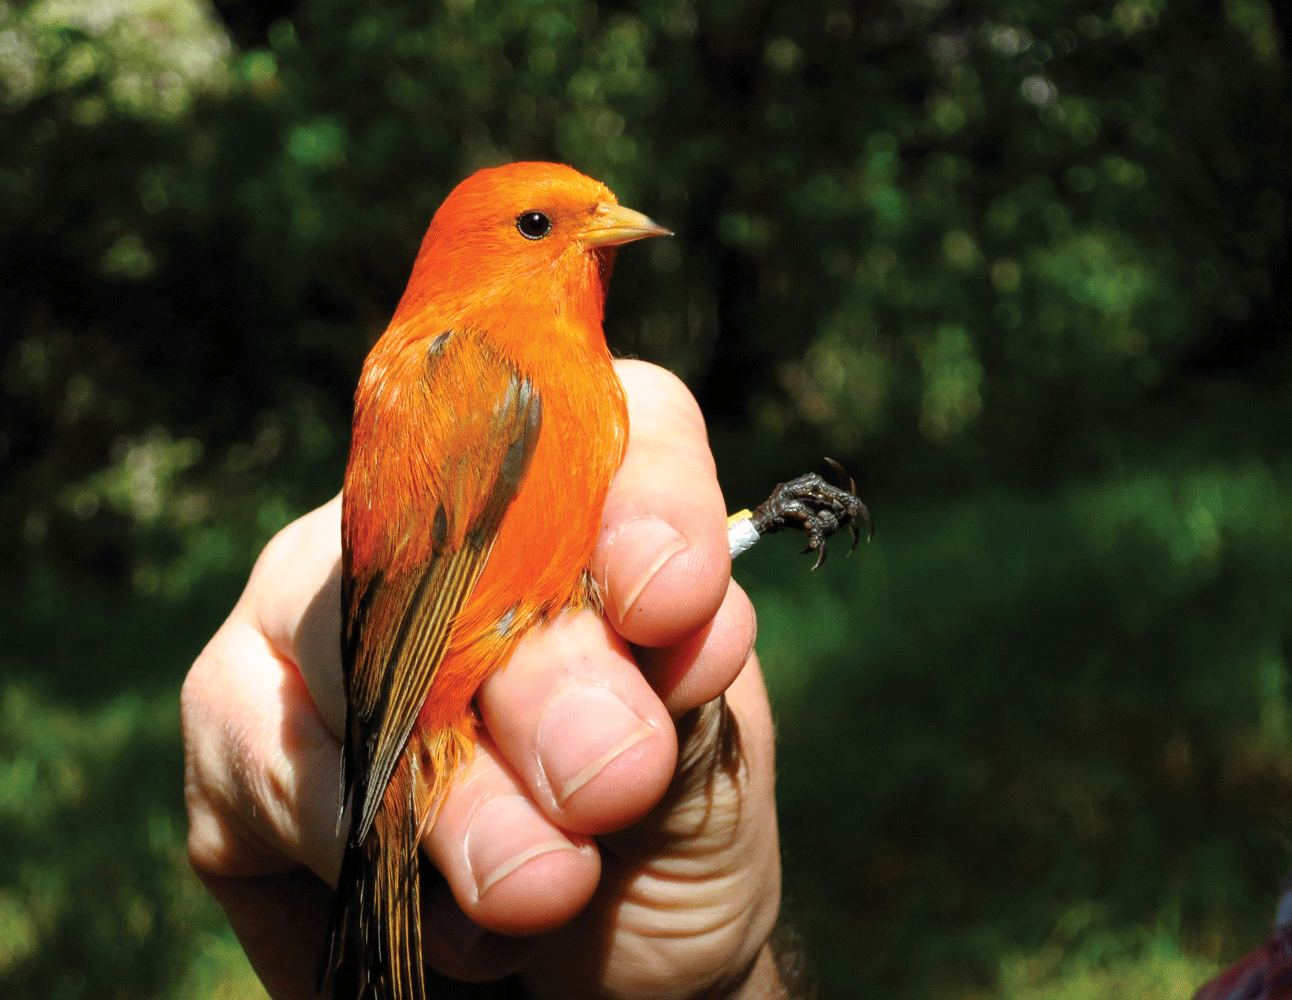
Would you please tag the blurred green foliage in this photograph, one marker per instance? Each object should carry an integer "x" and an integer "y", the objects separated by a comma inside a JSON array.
[
  {"x": 1094, "y": 714},
  {"x": 1023, "y": 264}
]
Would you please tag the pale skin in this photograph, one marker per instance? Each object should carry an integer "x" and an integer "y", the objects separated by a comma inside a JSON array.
[{"x": 590, "y": 847}]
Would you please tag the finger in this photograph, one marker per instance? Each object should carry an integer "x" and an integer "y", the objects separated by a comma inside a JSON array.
[
  {"x": 294, "y": 598},
  {"x": 511, "y": 870},
  {"x": 573, "y": 716},
  {"x": 662, "y": 560},
  {"x": 455, "y": 946},
  {"x": 702, "y": 871},
  {"x": 701, "y": 667},
  {"x": 261, "y": 768},
  {"x": 281, "y": 922}
]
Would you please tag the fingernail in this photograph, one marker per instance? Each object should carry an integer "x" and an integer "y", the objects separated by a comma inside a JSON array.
[
  {"x": 639, "y": 549},
  {"x": 503, "y": 835},
  {"x": 582, "y": 731}
]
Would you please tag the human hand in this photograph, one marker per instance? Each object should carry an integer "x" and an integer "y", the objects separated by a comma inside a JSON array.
[{"x": 593, "y": 846}]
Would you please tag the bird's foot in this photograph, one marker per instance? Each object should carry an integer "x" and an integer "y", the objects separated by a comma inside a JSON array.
[{"x": 812, "y": 505}]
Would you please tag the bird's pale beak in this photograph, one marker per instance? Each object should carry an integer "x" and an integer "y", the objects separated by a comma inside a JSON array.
[{"x": 614, "y": 224}]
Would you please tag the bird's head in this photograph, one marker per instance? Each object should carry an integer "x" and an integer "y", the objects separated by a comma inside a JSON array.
[{"x": 526, "y": 239}]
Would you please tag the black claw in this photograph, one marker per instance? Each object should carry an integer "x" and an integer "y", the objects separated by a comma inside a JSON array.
[{"x": 813, "y": 506}]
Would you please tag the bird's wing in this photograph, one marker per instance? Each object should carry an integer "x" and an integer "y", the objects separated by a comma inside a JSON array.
[{"x": 431, "y": 480}]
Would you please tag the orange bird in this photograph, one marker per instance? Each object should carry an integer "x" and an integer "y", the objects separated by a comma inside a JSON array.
[{"x": 488, "y": 424}]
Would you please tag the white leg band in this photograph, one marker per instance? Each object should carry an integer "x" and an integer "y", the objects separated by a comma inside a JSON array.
[{"x": 741, "y": 535}]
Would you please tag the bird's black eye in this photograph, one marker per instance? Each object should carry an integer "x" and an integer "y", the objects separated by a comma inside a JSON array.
[{"x": 534, "y": 225}]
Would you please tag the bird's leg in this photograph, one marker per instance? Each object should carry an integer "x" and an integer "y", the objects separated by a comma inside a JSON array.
[{"x": 808, "y": 504}]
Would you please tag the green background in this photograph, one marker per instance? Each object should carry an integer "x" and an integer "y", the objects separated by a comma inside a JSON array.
[{"x": 1021, "y": 266}]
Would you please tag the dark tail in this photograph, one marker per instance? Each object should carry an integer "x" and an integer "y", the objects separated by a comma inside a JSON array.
[{"x": 375, "y": 940}]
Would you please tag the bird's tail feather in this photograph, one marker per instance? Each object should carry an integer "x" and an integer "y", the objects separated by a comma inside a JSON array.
[{"x": 375, "y": 940}]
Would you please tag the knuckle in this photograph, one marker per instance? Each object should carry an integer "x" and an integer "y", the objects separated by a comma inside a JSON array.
[
  {"x": 278, "y": 551},
  {"x": 236, "y": 796}
]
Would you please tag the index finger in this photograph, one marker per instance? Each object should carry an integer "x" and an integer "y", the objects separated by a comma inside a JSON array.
[{"x": 662, "y": 560}]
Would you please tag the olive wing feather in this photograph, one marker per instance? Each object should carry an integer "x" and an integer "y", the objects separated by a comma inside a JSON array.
[{"x": 397, "y": 625}]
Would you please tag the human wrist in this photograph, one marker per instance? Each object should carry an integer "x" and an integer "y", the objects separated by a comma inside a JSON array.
[
  {"x": 763, "y": 981},
  {"x": 780, "y": 970}
]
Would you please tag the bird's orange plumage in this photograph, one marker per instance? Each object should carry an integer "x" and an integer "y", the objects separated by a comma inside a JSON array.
[{"x": 488, "y": 424}]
